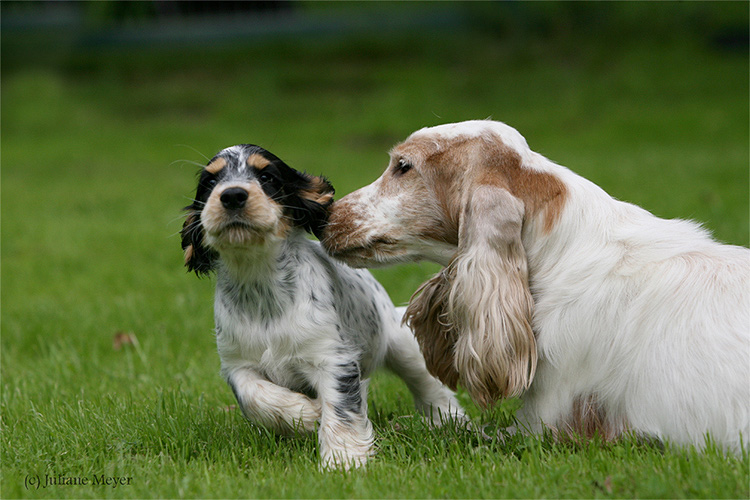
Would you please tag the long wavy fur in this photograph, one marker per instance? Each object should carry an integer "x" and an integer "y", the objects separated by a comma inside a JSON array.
[{"x": 473, "y": 319}]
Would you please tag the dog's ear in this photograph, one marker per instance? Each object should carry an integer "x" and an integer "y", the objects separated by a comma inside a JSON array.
[
  {"x": 473, "y": 320},
  {"x": 310, "y": 203},
  {"x": 489, "y": 302},
  {"x": 426, "y": 316},
  {"x": 198, "y": 258}
]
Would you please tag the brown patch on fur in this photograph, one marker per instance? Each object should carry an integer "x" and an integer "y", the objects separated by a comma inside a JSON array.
[
  {"x": 588, "y": 419},
  {"x": 497, "y": 164},
  {"x": 422, "y": 148},
  {"x": 541, "y": 192},
  {"x": 320, "y": 191},
  {"x": 446, "y": 230},
  {"x": 216, "y": 166},
  {"x": 440, "y": 183},
  {"x": 258, "y": 161},
  {"x": 343, "y": 223},
  {"x": 260, "y": 210},
  {"x": 284, "y": 226},
  {"x": 426, "y": 316},
  {"x": 433, "y": 220},
  {"x": 443, "y": 226},
  {"x": 188, "y": 253}
]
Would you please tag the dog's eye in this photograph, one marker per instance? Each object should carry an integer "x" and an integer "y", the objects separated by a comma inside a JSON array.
[
  {"x": 209, "y": 182},
  {"x": 268, "y": 178},
  {"x": 403, "y": 166}
]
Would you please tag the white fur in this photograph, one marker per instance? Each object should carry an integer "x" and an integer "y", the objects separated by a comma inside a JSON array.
[
  {"x": 268, "y": 360},
  {"x": 648, "y": 319},
  {"x": 651, "y": 315},
  {"x": 298, "y": 333}
]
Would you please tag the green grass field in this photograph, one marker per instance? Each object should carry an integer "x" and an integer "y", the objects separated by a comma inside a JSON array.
[{"x": 99, "y": 151}]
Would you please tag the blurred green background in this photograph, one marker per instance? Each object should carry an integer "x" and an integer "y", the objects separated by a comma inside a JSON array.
[
  {"x": 109, "y": 109},
  {"x": 106, "y": 106}
]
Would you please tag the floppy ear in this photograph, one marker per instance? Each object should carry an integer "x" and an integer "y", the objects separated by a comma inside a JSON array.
[
  {"x": 476, "y": 314},
  {"x": 311, "y": 202},
  {"x": 426, "y": 315},
  {"x": 490, "y": 304},
  {"x": 198, "y": 258}
]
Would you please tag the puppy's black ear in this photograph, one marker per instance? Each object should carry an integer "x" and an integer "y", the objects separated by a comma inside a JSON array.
[
  {"x": 313, "y": 198},
  {"x": 198, "y": 258}
]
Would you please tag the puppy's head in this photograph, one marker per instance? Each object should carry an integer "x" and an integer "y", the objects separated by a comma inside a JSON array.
[{"x": 247, "y": 196}]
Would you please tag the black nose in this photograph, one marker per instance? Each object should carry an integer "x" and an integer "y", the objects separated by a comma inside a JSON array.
[{"x": 234, "y": 198}]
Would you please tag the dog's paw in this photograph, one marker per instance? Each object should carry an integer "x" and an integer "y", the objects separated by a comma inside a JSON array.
[
  {"x": 300, "y": 415},
  {"x": 278, "y": 408},
  {"x": 344, "y": 459},
  {"x": 345, "y": 446},
  {"x": 443, "y": 410}
]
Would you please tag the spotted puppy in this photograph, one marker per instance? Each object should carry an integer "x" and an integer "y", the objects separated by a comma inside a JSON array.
[{"x": 297, "y": 332}]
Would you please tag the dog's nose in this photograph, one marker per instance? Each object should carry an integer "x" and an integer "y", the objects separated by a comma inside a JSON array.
[{"x": 234, "y": 198}]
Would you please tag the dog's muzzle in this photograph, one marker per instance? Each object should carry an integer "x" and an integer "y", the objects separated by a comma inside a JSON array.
[{"x": 234, "y": 198}]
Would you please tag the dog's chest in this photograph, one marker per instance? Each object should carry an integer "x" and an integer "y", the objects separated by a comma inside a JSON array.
[{"x": 285, "y": 347}]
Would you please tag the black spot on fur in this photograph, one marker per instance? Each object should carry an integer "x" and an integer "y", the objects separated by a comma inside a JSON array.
[{"x": 348, "y": 386}]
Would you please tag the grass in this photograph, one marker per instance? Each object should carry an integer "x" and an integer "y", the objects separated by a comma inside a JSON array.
[{"x": 99, "y": 150}]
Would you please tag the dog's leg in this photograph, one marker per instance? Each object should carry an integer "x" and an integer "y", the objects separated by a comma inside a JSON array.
[
  {"x": 433, "y": 399},
  {"x": 345, "y": 432},
  {"x": 272, "y": 406}
]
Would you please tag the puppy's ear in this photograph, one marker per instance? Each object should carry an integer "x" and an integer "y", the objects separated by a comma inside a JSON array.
[
  {"x": 312, "y": 199},
  {"x": 198, "y": 258}
]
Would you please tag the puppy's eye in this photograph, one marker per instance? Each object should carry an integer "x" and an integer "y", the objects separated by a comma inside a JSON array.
[
  {"x": 209, "y": 183},
  {"x": 266, "y": 177},
  {"x": 403, "y": 166}
]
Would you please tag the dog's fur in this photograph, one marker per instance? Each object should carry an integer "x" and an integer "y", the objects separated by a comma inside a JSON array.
[
  {"x": 297, "y": 333},
  {"x": 603, "y": 317}
]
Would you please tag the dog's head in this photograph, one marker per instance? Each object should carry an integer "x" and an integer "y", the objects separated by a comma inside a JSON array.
[
  {"x": 461, "y": 195},
  {"x": 247, "y": 196}
]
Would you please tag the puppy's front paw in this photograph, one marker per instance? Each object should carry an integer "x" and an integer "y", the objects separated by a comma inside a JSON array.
[
  {"x": 344, "y": 459},
  {"x": 275, "y": 407},
  {"x": 345, "y": 446},
  {"x": 301, "y": 414}
]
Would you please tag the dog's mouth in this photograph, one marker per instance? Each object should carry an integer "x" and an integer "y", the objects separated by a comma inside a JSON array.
[
  {"x": 380, "y": 250},
  {"x": 237, "y": 225},
  {"x": 240, "y": 233}
]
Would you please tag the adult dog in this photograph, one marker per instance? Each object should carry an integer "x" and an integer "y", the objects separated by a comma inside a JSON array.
[{"x": 601, "y": 316}]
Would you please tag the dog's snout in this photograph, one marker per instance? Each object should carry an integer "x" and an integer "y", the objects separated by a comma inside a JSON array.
[{"x": 234, "y": 198}]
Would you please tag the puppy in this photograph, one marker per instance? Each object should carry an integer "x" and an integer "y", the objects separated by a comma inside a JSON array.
[{"x": 297, "y": 332}]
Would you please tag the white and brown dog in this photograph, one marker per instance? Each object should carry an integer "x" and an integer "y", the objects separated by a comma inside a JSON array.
[
  {"x": 297, "y": 332},
  {"x": 601, "y": 316}
]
